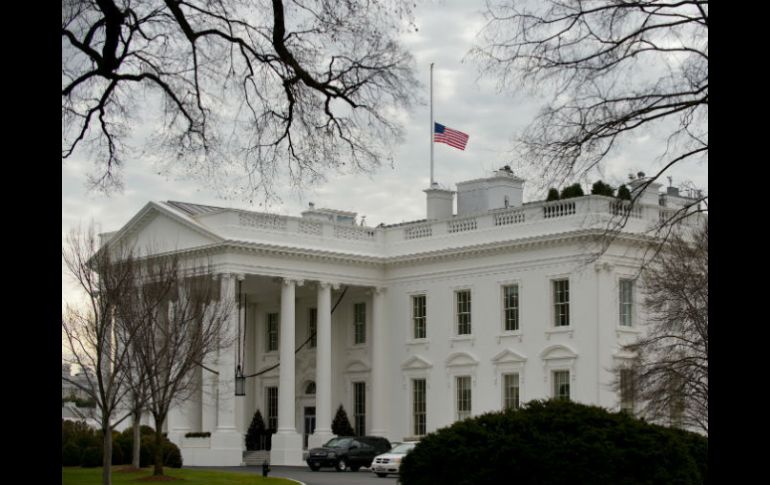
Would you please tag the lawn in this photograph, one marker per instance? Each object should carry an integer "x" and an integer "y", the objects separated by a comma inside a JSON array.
[{"x": 93, "y": 476}]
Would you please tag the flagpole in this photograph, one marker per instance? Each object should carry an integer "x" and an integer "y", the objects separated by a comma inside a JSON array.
[{"x": 432, "y": 125}]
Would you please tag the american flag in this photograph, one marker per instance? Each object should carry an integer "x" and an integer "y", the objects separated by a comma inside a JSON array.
[{"x": 442, "y": 134}]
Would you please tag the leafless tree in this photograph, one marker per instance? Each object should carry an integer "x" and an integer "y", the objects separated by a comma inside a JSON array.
[
  {"x": 183, "y": 317},
  {"x": 617, "y": 69},
  {"x": 248, "y": 90},
  {"x": 670, "y": 373},
  {"x": 94, "y": 338}
]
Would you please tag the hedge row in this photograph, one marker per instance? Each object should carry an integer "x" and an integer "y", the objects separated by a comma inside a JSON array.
[
  {"x": 557, "y": 442},
  {"x": 82, "y": 446}
]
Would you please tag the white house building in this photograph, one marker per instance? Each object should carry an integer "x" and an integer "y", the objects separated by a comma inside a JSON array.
[{"x": 462, "y": 313}]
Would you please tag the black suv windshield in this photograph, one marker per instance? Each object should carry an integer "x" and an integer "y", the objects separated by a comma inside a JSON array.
[{"x": 338, "y": 443}]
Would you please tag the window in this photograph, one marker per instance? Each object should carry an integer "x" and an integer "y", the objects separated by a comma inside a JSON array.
[
  {"x": 627, "y": 390},
  {"x": 418, "y": 409},
  {"x": 561, "y": 384},
  {"x": 463, "y": 397},
  {"x": 511, "y": 307},
  {"x": 312, "y": 327},
  {"x": 418, "y": 316},
  {"x": 359, "y": 323},
  {"x": 359, "y": 407},
  {"x": 625, "y": 298},
  {"x": 272, "y": 332},
  {"x": 510, "y": 391},
  {"x": 463, "y": 299},
  {"x": 561, "y": 303},
  {"x": 272, "y": 407}
]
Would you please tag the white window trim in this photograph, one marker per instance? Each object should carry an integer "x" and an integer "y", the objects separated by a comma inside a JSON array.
[
  {"x": 277, "y": 331},
  {"x": 551, "y": 327},
  {"x": 508, "y": 361},
  {"x": 455, "y": 321},
  {"x": 410, "y": 318},
  {"x": 634, "y": 302},
  {"x": 416, "y": 367},
  {"x": 501, "y": 306},
  {"x": 559, "y": 357}
]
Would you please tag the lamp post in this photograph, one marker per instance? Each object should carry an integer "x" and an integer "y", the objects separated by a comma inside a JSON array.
[{"x": 240, "y": 382}]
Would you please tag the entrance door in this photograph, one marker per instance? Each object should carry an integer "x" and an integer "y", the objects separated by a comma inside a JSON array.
[{"x": 309, "y": 427}]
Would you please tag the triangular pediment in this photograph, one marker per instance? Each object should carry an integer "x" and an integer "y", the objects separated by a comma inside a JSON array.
[
  {"x": 558, "y": 351},
  {"x": 416, "y": 363},
  {"x": 461, "y": 358},
  {"x": 509, "y": 356},
  {"x": 160, "y": 229}
]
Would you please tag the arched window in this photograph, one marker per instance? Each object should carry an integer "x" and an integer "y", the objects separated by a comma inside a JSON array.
[{"x": 310, "y": 389}]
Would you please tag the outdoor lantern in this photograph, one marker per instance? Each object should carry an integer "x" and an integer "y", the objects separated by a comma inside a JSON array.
[{"x": 240, "y": 382}]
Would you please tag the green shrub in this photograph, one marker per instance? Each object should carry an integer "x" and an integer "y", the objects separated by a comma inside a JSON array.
[
  {"x": 255, "y": 434},
  {"x": 70, "y": 454},
  {"x": 91, "y": 457},
  {"x": 556, "y": 442},
  {"x": 125, "y": 443},
  {"x": 341, "y": 424},
  {"x": 203, "y": 434},
  {"x": 600, "y": 188},
  {"x": 624, "y": 193},
  {"x": 172, "y": 456},
  {"x": 553, "y": 194},
  {"x": 570, "y": 191}
]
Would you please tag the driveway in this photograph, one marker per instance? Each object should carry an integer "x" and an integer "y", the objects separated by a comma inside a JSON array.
[{"x": 324, "y": 476}]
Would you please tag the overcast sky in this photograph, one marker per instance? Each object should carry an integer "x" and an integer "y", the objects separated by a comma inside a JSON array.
[{"x": 447, "y": 30}]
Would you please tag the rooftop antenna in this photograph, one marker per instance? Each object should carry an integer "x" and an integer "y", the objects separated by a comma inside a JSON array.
[{"x": 432, "y": 126}]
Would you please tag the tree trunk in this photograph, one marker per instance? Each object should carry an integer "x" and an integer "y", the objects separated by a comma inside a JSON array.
[
  {"x": 158, "y": 469},
  {"x": 137, "y": 445},
  {"x": 107, "y": 455}
]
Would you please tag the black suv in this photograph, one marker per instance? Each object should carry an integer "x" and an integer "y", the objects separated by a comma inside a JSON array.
[{"x": 345, "y": 452}]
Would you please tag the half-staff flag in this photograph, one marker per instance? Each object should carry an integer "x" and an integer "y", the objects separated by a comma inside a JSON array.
[{"x": 454, "y": 138}]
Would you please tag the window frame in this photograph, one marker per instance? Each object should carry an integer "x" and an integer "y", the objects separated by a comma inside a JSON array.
[
  {"x": 359, "y": 415},
  {"x": 630, "y": 307},
  {"x": 458, "y": 312},
  {"x": 419, "y": 413},
  {"x": 555, "y": 383},
  {"x": 271, "y": 405},
  {"x": 558, "y": 315},
  {"x": 460, "y": 398},
  {"x": 272, "y": 335},
  {"x": 359, "y": 327},
  {"x": 505, "y": 388},
  {"x": 505, "y": 308},
  {"x": 424, "y": 318}
]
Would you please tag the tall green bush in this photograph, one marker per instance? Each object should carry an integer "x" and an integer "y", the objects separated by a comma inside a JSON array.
[
  {"x": 600, "y": 188},
  {"x": 570, "y": 191},
  {"x": 341, "y": 424},
  {"x": 256, "y": 432},
  {"x": 556, "y": 442},
  {"x": 624, "y": 193}
]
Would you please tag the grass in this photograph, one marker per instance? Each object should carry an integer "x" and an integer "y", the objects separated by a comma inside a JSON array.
[{"x": 93, "y": 476}]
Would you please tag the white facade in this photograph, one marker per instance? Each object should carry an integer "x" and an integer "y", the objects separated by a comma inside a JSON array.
[{"x": 290, "y": 265}]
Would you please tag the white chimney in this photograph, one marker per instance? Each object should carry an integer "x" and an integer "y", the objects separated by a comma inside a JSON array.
[{"x": 440, "y": 202}]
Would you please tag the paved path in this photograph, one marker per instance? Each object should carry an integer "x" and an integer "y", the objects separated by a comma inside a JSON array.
[{"x": 324, "y": 476}]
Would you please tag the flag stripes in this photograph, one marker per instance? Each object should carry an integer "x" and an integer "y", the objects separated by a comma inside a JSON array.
[{"x": 454, "y": 138}]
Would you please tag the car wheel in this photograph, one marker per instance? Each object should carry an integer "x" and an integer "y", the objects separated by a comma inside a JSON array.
[
  {"x": 342, "y": 465},
  {"x": 315, "y": 468},
  {"x": 382, "y": 475}
]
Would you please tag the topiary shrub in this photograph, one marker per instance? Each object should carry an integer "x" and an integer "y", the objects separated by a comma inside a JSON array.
[
  {"x": 553, "y": 194},
  {"x": 91, "y": 457},
  {"x": 624, "y": 193},
  {"x": 255, "y": 435},
  {"x": 570, "y": 191},
  {"x": 341, "y": 424},
  {"x": 70, "y": 454},
  {"x": 556, "y": 442},
  {"x": 172, "y": 457},
  {"x": 600, "y": 188}
]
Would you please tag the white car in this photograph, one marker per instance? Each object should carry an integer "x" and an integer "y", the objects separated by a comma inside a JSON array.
[{"x": 391, "y": 461}]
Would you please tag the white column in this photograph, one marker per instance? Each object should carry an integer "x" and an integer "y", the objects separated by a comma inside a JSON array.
[
  {"x": 287, "y": 443},
  {"x": 379, "y": 373},
  {"x": 323, "y": 380},
  {"x": 226, "y": 441}
]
